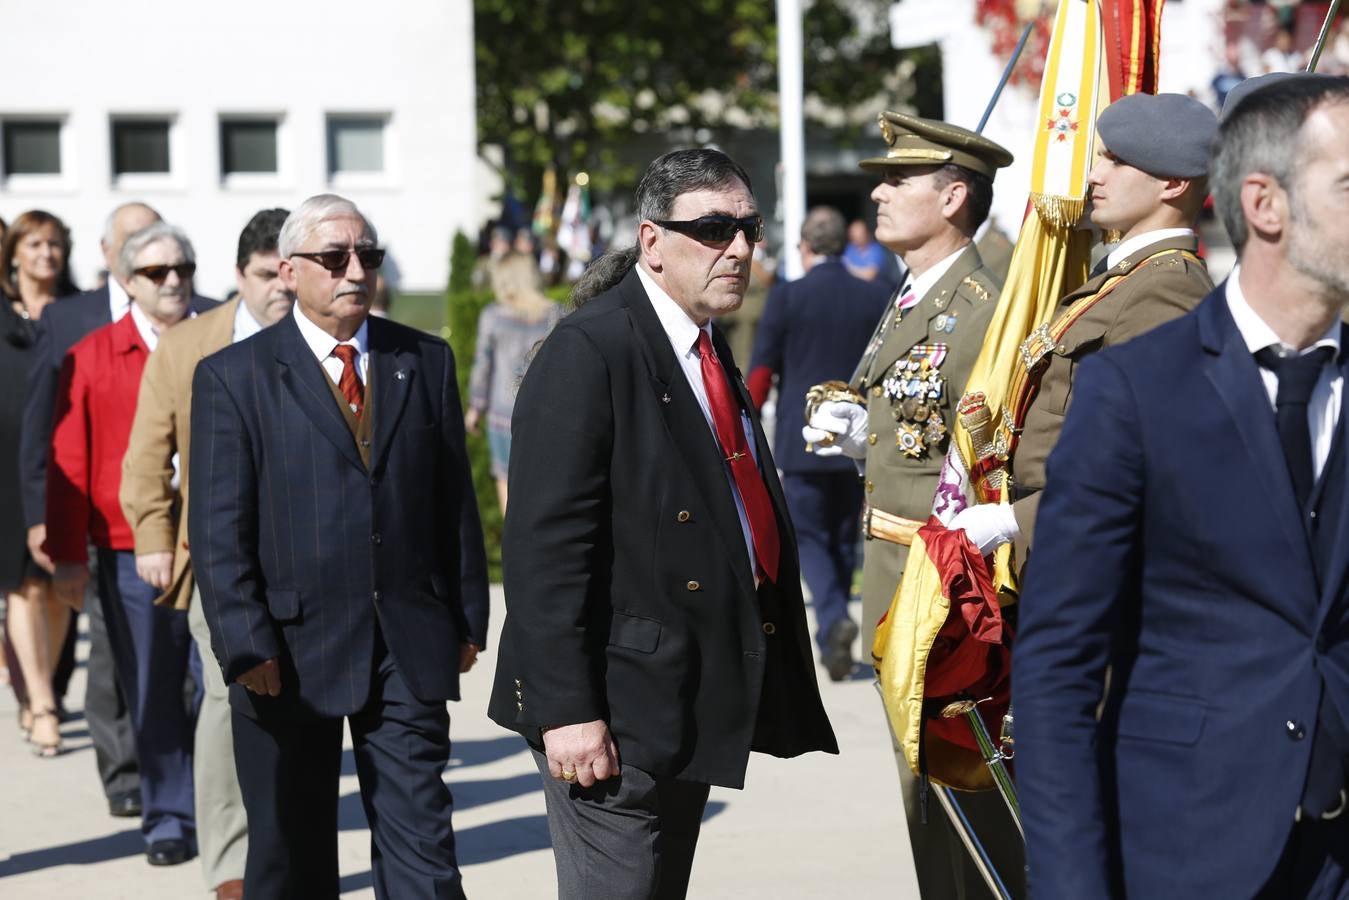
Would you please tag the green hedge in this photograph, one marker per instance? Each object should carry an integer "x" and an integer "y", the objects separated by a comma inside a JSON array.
[{"x": 464, "y": 305}]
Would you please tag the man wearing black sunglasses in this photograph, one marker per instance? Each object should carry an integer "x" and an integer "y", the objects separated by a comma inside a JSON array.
[
  {"x": 151, "y": 646},
  {"x": 935, "y": 192},
  {"x": 655, "y": 632},
  {"x": 333, "y": 530}
]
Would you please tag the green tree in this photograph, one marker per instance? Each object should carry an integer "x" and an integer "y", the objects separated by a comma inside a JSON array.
[{"x": 564, "y": 83}]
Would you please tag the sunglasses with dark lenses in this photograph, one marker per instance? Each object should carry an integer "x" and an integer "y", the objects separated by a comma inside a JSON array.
[
  {"x": 336, "y": 260},
  {"x": 716, "y": 229},
  {"x": 157, "y": 274}
]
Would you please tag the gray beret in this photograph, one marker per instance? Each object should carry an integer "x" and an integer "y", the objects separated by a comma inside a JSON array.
[
  {"x": 1251, "y": 85},
  {"x": 1162, "y": 134}
]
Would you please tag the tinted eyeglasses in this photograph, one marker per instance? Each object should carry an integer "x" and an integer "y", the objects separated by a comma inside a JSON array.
[
  {"x": 716, "y": 229},
  {"x": 157, "y": 274},
  {"x": 336, "y": 260}
]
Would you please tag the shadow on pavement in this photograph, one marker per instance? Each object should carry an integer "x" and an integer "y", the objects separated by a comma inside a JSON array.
[
  {"x": 463, "y": 753},
  {"x": 467, "y": 794},
  {"x": 83, "y": 853}
]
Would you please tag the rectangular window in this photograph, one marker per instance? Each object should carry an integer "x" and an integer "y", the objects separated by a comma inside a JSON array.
[
  {"x": 355, "y": 144},
  {"x": 248, "y": 146},
  {"x": 32, "y": 147},
  {"x": 140, "y": 146}
]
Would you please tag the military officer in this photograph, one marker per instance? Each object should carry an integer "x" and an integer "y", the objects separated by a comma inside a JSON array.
[
  {"x": 1148, "y": 184},
  {"x": 936, "y": 191}
]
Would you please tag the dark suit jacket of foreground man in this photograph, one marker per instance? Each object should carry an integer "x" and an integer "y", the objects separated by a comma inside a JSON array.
[
  {"x": 628, "y": 588},
  {"x": 1170, "y": 546},
  {"x": 301, "y": 549}
]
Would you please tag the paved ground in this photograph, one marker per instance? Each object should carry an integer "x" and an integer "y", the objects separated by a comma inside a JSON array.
[{"x": 818, "y": 826}]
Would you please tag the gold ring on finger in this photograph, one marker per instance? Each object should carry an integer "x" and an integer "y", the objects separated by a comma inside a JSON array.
[{"x": 568, "y": 775}]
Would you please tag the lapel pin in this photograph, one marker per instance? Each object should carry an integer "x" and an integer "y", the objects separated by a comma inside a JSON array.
[
  {"x": 400, "y": 375},
  {"x": 664, "y": 398}
]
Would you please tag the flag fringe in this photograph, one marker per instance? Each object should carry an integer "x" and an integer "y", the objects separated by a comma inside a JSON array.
[{"x": 1058, "y": 211}]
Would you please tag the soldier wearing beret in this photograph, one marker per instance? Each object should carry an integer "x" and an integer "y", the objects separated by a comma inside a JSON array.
[
  {"x": 936, "y": 191},
  {"x": 1149, "y": 185}
]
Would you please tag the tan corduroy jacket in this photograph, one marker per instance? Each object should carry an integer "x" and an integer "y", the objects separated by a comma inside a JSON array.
[{"x": 154, "y": 507}]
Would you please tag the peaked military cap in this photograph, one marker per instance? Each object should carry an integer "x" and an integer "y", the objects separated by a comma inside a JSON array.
[
  {"x": 914, "y": 141},
  {"x": 1162, "y": 134}
]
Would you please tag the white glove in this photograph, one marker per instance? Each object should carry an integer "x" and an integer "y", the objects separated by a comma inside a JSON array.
[
  {"x": 838, "y": 427},
  {"x": 988, "y": 525}
]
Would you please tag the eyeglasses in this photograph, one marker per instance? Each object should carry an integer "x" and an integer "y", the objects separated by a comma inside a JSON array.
[
  {"x": 157, "y": 274},
  {"x": 336, "y": 260},
  {"x": 716, "y": 229}
]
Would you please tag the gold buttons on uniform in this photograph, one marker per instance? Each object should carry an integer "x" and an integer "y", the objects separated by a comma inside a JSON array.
[
  {"x": 870, "y": 487},
  {"x": 693, "y": 586},
  {"x": 769, "y": 628},
  {"x": 683, "y": 516},
  {"x": 871, "y": 439},
  {"x": 876, "y": 391}
]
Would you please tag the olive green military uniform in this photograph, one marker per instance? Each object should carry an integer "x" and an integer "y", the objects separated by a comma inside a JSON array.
[
  {"x": 907, "y": 427},
  {"x": 1161, "y": 281}
]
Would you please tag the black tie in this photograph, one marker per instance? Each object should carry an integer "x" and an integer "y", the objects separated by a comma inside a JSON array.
[{"x": 1297, "y": 377}]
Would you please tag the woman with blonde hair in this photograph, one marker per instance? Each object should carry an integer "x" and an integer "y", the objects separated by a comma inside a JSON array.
[
  {"x": 34, "y": 271},
  {"x": 508, "y": 329}
]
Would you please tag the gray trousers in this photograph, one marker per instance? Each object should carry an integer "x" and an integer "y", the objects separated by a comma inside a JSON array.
[
  {"x": 628, "y": 838},
  {"x": 222, "y": 824}
]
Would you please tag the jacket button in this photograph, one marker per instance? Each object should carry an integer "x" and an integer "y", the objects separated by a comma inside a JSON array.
[
  {"x": 683, "y": 516},
  {"x": 876, "y": 390},
  {"x": 693, "y": 586},
  {"x": 376, "y": 539},
  {"x": 769, "y": 628},
  {"x": 870, "y": 487},
  {"x": 376, "y": 597},
  {"x": 871, "y": 439},
  {"x": 1296, "y": 730}
]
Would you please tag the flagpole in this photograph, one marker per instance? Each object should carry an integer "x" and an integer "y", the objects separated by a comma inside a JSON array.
[
  {"x": 1323, "y": 36},
  {"x": 791, "y": 124},
  {"x": 1007, "y": 74}
]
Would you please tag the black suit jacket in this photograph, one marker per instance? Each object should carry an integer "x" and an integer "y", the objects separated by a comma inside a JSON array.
[
  {"x": 814, "y": 329},
  {"x": 629, "y": 595},
  {"x": 62, "y": 325},
  {"x": 304, "y": 554}
]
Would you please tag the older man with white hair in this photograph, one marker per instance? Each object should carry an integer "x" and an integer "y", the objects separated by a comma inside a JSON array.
[
  {"x": 95, "y": 401},
  {"x": 329, "y": 504}
]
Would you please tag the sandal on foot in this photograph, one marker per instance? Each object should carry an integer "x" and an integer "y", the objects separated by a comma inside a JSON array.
[{"x": 42, "y": 749}]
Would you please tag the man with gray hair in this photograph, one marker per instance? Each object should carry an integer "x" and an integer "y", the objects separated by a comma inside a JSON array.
[
  {"x": 813, "y": 330},
  {"x": 95, "y": 401},
  {"x": 1181, "y": 672},
  {"x": 655, "y": 632},
  {"x": 332, "y": 525}
]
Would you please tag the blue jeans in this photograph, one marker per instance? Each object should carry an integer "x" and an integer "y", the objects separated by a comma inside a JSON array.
[{"x": 152, "y": 648}]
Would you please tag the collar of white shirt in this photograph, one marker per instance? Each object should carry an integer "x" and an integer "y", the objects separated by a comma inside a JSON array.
[
  {"x": 679, "y": 328},
  {"x": 921, "y": 284},
  {"x": 145, "y": 328},
  {"x": 1139, "y": 241},
  {"x": 321, "y": 343},
  {"x": 1255, "y": 332},
  {"x": 245, "y": 326},
  {"x": 118, "y": 299}
]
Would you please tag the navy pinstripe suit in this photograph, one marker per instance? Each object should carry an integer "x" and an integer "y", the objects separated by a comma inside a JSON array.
[{"x": 348, "y": 575}]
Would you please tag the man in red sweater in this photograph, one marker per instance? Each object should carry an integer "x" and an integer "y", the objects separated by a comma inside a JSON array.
[{"x": 151, "y": 645}]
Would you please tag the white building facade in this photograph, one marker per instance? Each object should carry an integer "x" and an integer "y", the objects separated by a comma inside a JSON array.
[{"x": 210, "y": 113}]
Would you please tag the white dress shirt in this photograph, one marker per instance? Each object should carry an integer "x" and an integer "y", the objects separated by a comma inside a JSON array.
[
  {"x": 1323, "y": 410},
  {"x": 145, "y": 327},
  {"x": 119, "y": 302},
  {"x": 921, "y": 284},
  {"x": 322, "y": 344},
  {"x": 1139, "y": 241},
  {"x": 683, "y": 334},
  {"x": 245, "y": 326}
]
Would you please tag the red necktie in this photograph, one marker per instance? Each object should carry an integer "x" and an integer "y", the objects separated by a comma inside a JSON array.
[
  {"x": 350, "y": 385},
  {"x": 763, "y": 525}
]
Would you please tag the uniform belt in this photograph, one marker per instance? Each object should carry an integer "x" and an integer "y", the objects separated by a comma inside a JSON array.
[
  {"x": 1020, "y": 492},
  {"x": 880, "y": 525}
]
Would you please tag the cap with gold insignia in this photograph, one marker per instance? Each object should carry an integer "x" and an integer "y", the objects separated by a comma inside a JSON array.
[{"x": 914, "y": 141}]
